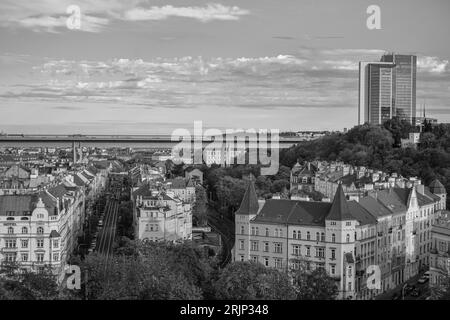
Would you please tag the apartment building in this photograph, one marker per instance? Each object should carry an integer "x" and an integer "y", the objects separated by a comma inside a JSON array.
[
  {"x": 389, "y": 229},
  {"x": 160, "y": 215},
  {"x": 41, "y": 229}
]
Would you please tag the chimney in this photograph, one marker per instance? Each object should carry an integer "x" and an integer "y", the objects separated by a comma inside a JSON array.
[{"x": 420, "y": 188}]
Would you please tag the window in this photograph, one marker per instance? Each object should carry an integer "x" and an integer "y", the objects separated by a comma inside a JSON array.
[
  {"x": 322, "y": 237},
  {"x": 56, "y": 257},
  {"x": 10, "y": 257},
  {"x": 296, "y": 250},
  {"x": 39, "y": 257},
  {"x": 333, "y": 269},
  {"x": 242, "y": 258},
  {"x": 253, "y": 231},
  {"x": 278, "y": 247},
  {"x": 333, "y": 223},
  {"x": 278, "y": 263},
  {"x": 40, "y": 230},
  {"x": 257, "y": 231},
  {"x": 24, "y": 230},
  {"x": 281, "y": 233},
  {"x": 320, "y": 252},
  {"x": 242, "y": 229},
  {"x": 333, "y": 254},
  {"x": 24, "y": 243},
  {"x": 333, "y": 238},
  {"x": 55, "y": 244},
  {"x": 40, "y": 243},
  {"x": 254, "y": 246},
  {"x": 266, "y": 261},
  {"x": 241, "y": 244},
  {"x": 348, "y": 237},
  {"x": 10, "y": 243},
  {"x": 10, "y": 230},
  {"x": 308, "y": 251},
  {"x": 255, "y": 258},
  {"x": 349, "y": 286},
  {"x": 348, "y": 223},
  {"x": 317, "y": 236},
  {"x": 24, "y": 257},
  {"x": 275, "y": 233},
  {"x": 267, "y": 232},
  {"x": 266, "y": 247},
  {"x": 294, "y": 234},
  {"x": 308, "y": 235},
  {"x": 350, "y": 271}
]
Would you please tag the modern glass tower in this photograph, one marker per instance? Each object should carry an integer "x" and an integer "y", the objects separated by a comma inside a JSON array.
[
  {"x": 375, "y": 92},
  {"x": 404, "y": 85},
  {"x": 387, "y": 89}
]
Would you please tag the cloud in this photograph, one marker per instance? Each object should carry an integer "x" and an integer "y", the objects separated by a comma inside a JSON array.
[
  {"x": 203, "y": 14},
  {"x": 52, "y": 16},
  {"x": 309, "y": 79},
  {"x": 433, "y": 65}
]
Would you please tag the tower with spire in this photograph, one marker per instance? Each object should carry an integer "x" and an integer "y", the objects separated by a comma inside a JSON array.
[
  {"x": 340, "y": 230},
  {"x": 247, "y": 211}
]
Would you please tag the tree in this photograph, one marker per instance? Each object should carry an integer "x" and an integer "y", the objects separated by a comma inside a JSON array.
[
  {"x": 313, "y": 285},
  {"x": 199, "y": 208},
  {"x": 252, "y": 281}
]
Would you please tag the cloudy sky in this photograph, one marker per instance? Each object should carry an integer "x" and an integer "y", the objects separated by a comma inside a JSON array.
[{"x": 142, "y": 67}]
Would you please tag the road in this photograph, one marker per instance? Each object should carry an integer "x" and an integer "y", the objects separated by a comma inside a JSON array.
[
  {"x": 107, "y": 233},
  {"x": 225, "y": 228}
]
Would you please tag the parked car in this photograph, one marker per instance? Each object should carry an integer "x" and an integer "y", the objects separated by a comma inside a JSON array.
[
  {"x": 415, "y": 293},
  {"x": 422, "y": 280},
  {"x": 427, "y": 274},
  {"x": 409, "y": 289},
  {"x": 396, "y": 296}
]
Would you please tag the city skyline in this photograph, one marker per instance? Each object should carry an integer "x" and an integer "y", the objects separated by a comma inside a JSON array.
[{"x": 149, "y": 68}]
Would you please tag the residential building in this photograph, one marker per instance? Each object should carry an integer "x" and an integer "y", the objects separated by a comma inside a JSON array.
[{"x": 160, "y": 215}]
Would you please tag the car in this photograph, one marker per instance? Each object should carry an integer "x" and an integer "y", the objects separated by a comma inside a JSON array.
[
  {"x": 409, "y": 289},
  {"x": 415, "y": 293},
  {"x": 427, "y": 275},
  {"x": 422, "y": 280},
  {"x": 396, "y": 296},
  {"x": 100, "y": 222}
]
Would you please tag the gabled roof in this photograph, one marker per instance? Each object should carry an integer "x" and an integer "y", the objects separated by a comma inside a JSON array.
[
  {"x": 437, "y": 187},
  {"x": 59, "y": 191},
  {"x": 376, "y": 208},
  {"x": 249, "y": 204},
  {"x": 339, "y": 209},
  {"x": 358, "y": 212}
]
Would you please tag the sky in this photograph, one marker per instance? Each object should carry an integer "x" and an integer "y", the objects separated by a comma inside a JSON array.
[{"x": 146, "y": 67}]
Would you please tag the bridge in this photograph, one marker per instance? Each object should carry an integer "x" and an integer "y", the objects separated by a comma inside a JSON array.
[{"x": 117, "y": 138}]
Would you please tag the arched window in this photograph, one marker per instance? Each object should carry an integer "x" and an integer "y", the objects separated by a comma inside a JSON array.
[
  {"x": 322, "y": 237},
  {"x": 308, "y": 236},
  {"x": 40, "y": 230},
  {"x": 242, "y": 229},
  {"x": 24, "y": 230},
  {"x": 10, "y": 230},
  {"x": 299, "y": 235},
  {"x": 317, "y": 236},
  {"x": 348, "y": 237},
  {"x": 333, "y": 238},
  {"x": 294, "y": 234}
]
